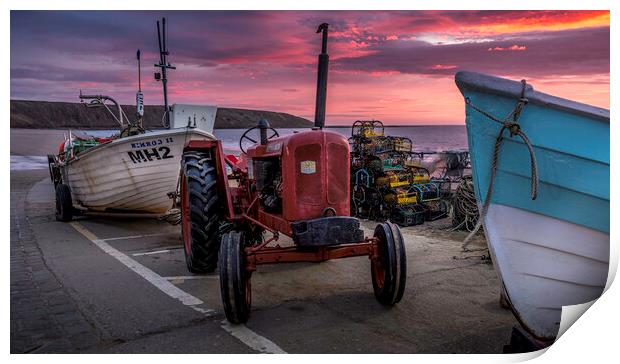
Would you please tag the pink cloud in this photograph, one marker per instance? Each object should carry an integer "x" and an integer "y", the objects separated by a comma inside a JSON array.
[
  {"x": 384, "y": 64},
  {"x": 514, "y": 47},
  {"x": 442, "y": 67}
]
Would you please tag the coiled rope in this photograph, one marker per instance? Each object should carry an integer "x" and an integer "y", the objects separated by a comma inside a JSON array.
[
  {"x": 464, "y": 206},
  {"x": 172, "y": 216},
  {"x": 510, "y": 123}
]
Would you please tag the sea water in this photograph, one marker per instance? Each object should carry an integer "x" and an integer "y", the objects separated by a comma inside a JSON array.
[
  {"x": 425, "y": 139},
  {"x": 435, "y": 138}
]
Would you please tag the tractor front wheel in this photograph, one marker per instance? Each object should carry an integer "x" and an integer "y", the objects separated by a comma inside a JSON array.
[
  {"x": 235, "y": 286},
  {"x": 389, "y": 267},
  {"x": 201, "y": 214}
]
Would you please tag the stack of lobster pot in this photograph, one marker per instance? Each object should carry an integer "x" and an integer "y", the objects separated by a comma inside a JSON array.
[{"x": 388, "y": 180}]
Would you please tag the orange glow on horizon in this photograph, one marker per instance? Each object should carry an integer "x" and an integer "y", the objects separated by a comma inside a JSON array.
[
  {"x": 572, "y": 20},
  {"x": 395, "y": 66}
]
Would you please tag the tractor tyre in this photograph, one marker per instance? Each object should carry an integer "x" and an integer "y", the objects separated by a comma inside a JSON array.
[
  {"x": 64, "y": 203},
  {"x": 201, "y": 213},
  {"x": 235, "y": 286},
  {"x": 389, "y": 269}
]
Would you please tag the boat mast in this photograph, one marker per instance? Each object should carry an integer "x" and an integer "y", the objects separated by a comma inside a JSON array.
[
  {"x": 164, "y": 66},
  {"x": 139, "y": 95}
]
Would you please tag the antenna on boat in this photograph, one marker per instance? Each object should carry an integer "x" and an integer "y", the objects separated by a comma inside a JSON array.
[
  {"x": 321, "y": 83},
  {"x": 164, "y": 66},
  {"x": 139, "y": 95}
]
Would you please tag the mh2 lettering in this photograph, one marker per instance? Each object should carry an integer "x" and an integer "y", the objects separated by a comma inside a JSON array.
[{"x": 149, "y": 154}]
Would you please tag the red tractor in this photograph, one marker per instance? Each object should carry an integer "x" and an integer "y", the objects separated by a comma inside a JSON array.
[{"x": 295, "y": 185}]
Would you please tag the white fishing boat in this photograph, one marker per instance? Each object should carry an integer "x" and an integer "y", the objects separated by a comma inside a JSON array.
[
  {"x": 127, "y": 174},
  {"x": 544, "y": 198},
  {"x": 135, "y": 171},
  {"x": 134, "y": 174}
]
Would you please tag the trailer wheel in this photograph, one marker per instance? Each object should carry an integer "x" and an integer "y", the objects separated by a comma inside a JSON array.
[
  {"x": 64, "y": 203},
  {"x": 200, "y": 212},
  {"x": 52, "y": 164},
  {"x": 389, "y": 268},
  {"x": 235, "y": 286}
]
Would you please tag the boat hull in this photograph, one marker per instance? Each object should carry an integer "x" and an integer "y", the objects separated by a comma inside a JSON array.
[
  {"x": 545, "y": 263},
  {"x": 132, "y": 174},
  {"x": 552, "y": 251}
]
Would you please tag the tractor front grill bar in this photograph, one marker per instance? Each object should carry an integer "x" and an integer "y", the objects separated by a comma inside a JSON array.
[{"x": 270, "y": 255}]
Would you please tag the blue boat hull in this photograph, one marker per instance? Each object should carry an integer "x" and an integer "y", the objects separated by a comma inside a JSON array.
[{"x": 571, "y": 146}]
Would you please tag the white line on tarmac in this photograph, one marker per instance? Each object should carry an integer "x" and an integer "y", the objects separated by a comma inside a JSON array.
[
  {"x": 150, "y": 253},
  {"x": 251, "y": 339},
  {"x": 241, "y": 332},
  {"x": 133, "y": 237},
  {"x": 153, "y": 278},
  {"x": 176, "y": 278}
]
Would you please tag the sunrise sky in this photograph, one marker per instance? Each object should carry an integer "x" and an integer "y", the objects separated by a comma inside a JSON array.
[{"x": 395, "y": 66}]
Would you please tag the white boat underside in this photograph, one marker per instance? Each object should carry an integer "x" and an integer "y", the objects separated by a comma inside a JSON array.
[
  {"x": 109, "y": 179},
  {"x": 544, "y": 264}
]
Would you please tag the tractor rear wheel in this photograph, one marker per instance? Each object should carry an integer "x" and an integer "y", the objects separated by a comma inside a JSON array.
[
  {"x": 389, "y": 269},
  {"x": 64, "y": 203},
  {"x": 235, "y": 286},
  {"x": 201, "y": 214}
]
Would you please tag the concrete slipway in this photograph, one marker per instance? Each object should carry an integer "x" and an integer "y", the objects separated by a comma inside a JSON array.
[{"x": 121, "y": 286}]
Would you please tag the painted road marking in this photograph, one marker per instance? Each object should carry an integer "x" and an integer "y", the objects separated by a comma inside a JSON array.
[
  {"x": 151, "y": 253},
  {"x": 152, "y": 277},
  {"x": 183, "y": 278},
  {"x": 162, "y": 249},
  {"x": 252, "y": 339},
  {"x": 133, "y": 237},
  {"x": 241, "y": 332}
]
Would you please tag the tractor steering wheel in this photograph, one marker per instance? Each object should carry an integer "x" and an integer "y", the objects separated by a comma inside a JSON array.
[{"x": 245, "y": 136}]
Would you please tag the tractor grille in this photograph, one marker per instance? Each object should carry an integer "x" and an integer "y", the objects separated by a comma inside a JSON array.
[
  {"x": 309, "y": 186},
  {"x": 338, "y": 173}
]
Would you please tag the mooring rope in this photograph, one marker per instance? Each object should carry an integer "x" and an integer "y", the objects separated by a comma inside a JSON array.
[
  {"x": 172, "y": 216},
  {"x": 510, "y": 123},
  {"x": 464, "y": 206}
]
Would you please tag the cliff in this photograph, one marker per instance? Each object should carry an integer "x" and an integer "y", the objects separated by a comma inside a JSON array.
[{"x": 55, "y": 115}]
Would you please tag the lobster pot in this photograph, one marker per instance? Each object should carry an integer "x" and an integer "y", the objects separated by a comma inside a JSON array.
[
  {"x": 402, "y": 145},
  {"x": 427, "y": 191}
]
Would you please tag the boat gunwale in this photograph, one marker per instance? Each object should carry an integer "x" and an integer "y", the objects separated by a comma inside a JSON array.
[
  {"x": 118, "y": 141},
  {"x": 475, "y": 81}
]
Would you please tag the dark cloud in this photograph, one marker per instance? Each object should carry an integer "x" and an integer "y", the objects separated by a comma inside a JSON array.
[
  {"x": 52, "y": 73},
  {"x": 222, "y": 53},
  {"x": 573, "y": 52},
  {"x": 211, "y": 38},
  {"x": 197, "y": 37}
]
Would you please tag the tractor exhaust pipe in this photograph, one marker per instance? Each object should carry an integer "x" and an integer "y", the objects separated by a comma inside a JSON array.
[
  {"x": 321, "y": 83},
  {"x": 263, "y": 125}
]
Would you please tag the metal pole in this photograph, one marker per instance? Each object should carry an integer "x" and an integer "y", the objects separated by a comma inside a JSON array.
[
  {"x": 164, "y": 65},
  {"x": 164, "y": 79},
  {"x": 159, "y": 43},
  {"x": 139, "y": 95},
  {"x": 139, "y": 72},
  {"x": 321, "y": 84}
]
